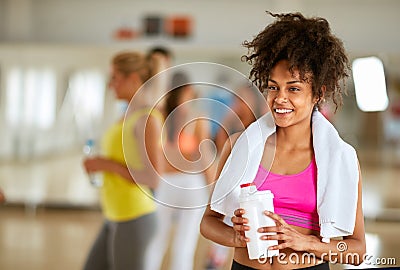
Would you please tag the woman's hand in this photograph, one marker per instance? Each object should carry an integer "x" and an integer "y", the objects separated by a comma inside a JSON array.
[
  {"x": 239, "y": 226},
  {"x": 288, "y": 237},
  {"x": 94, "y": 164},
  {"x": 2, "y": 197}
]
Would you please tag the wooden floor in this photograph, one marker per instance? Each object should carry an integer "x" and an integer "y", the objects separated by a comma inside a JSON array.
[
  {"x": 60, "y": 239},
  {"x": 52, "y": 238}
]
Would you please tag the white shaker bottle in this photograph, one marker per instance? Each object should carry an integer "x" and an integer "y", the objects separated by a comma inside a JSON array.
[{"x": 255, "y": 203}]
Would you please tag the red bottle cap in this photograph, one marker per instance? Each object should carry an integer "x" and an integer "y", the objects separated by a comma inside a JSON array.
[{"x": 247, "y": 185}]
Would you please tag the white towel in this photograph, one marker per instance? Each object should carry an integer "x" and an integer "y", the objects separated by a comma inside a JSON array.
[{"x": 337, "y": 174}]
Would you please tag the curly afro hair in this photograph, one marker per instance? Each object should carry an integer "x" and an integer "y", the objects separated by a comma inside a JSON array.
[{"x": 309, "y": 46}]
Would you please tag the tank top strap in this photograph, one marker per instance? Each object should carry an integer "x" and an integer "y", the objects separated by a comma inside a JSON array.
[{"x": 135, "y": 115}]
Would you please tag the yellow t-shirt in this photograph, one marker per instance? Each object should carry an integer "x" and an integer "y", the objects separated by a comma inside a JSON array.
[{"x": 122, "y": 200}]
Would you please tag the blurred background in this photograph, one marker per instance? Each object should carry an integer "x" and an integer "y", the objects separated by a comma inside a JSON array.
[{"x": 54, "y": 65}]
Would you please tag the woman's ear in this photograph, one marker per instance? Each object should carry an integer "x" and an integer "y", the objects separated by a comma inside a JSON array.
[
  {"x": 320, "y": 99},
  {"x": 135, "y": 80},
  {"x": 134, "y": 76}
]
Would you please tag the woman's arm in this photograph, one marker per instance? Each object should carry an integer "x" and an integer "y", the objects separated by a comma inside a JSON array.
[
  {"x": 148, "y": 134},
  {"x": 212, "y": 225},
  {"x": 207, "y": 151},
  {"x": 102, "y": 164},
  {"x": 2, "y": 197},
  {"x": 222, "y": 133},
  {"x": 350, "y": 250}
]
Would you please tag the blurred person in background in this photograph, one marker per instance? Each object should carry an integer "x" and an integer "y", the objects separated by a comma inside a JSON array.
[
  {"x": 2, "y": 196},
  {"x": 297, "y": 63},
  {"x": 246, "y": 108},
  {"x": 164, "y": 56},
  {"x": 130, "y": 162},
  {"x": 183, "y": 192}
]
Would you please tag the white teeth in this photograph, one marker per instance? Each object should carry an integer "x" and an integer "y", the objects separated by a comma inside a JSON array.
[{"x": 283, "y": 110}]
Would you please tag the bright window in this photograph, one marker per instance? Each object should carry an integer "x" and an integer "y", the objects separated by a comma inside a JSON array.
[
  {"x": 31, "y": 98},
  {"x": 87, "y": 90},
  {"x": 370, "y": 85}
]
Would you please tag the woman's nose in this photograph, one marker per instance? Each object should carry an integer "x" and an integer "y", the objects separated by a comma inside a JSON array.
[{"x": 281, "y": 97}]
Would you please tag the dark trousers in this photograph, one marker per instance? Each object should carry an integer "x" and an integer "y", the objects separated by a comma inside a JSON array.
[{"x": 122, "y": 245}]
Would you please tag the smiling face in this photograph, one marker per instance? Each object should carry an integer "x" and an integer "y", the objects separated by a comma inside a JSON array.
[{"x": 290, "y": 99}]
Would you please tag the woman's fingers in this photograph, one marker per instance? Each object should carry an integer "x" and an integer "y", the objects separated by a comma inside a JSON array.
[
  {"x": 239, "y": 212},
  {"x": 239, "y": 220},
  {"x": 272, "y": 229},
  {"x": 244, "y": 238},
  {"x": 280, "y": 237},
  {"x": 241, "y": 228},
  {"x": 281, "y": 225},
  {"x": 241, "y": 240},
  {"x": 276, "y": 218}
]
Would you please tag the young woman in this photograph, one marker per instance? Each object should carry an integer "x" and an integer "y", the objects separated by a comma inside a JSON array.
[
  {"x": 182, "y": 193},
  {"x": 298, "y": 64},
  {"x": 130, "y": 165}
]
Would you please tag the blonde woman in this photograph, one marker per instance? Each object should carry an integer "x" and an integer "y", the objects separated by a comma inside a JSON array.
[{"x": 130, "y": 164}]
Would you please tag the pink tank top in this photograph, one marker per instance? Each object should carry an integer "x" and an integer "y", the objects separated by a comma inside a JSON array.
[{"x": 295, "y": 195}]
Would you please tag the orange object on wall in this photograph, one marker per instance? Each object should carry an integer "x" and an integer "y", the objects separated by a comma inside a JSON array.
[
  {"x": 179, "y": 26},
  {"x": 125, "y": 33}
]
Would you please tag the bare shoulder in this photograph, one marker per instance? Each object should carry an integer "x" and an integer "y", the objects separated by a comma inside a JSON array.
[{"x": 231, "y": 141}]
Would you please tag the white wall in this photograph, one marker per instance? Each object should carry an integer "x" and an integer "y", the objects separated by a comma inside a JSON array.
[
  {"x": 364, "y": 25},
  {"x": 2, "y": 20},
  {"x": 18, "y": 18},
  {"x": 367, "y": 27}
]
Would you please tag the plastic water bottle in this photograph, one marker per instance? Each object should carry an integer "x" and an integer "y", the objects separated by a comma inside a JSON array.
[
  {"x": 255, "y": 203},
  {"x": 89, "y": 149}
]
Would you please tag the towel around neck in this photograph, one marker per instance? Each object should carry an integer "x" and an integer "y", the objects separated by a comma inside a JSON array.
[{"x": 337, "y": 174}]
